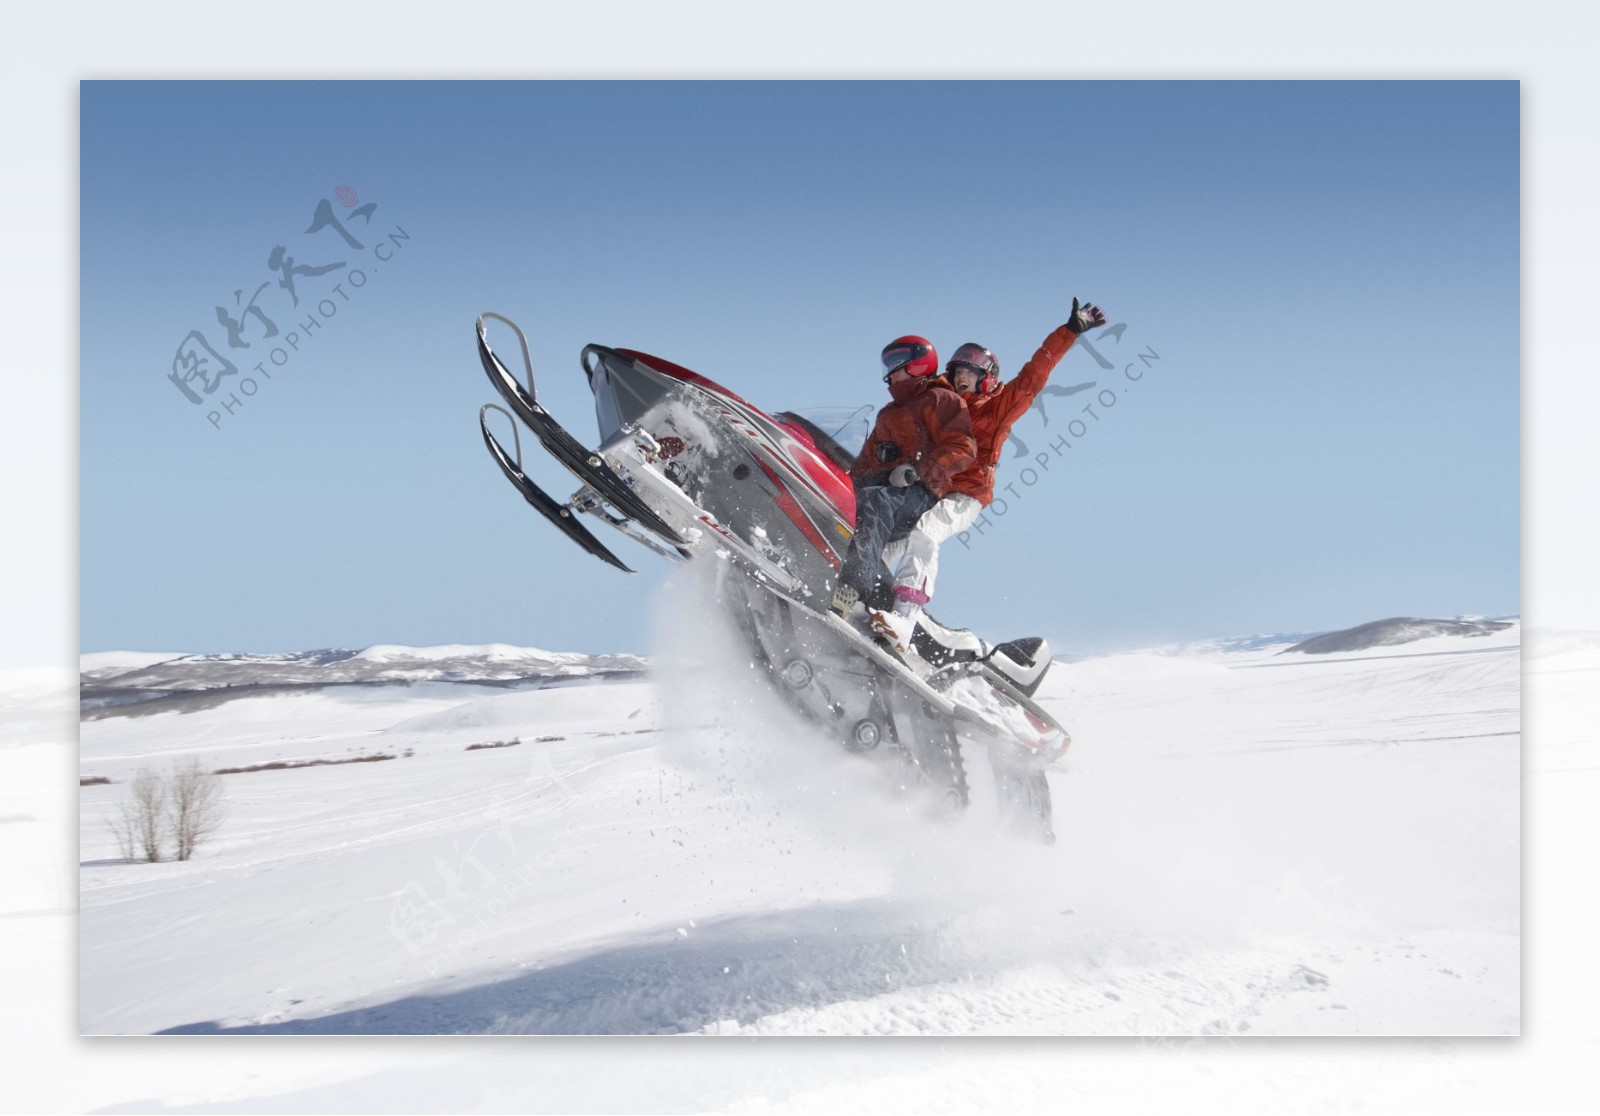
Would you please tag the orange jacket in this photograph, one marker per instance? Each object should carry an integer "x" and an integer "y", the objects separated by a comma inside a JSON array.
[
  {"x": 926, "y": 424},
  {"x": 993, "y": 416}
]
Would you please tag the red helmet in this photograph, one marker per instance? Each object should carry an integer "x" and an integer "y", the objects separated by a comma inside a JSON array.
[
  {"x": 915, "y": 354},
  {"x": 973, "y": 357}
]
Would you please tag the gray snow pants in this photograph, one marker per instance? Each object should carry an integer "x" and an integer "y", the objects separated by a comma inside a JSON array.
[{"x": 883, "y": 515}]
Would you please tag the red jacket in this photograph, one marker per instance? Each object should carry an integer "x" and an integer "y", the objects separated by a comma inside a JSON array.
[
  {"x": 926, "y": 424},
  {"x": 993, "y": 416}
]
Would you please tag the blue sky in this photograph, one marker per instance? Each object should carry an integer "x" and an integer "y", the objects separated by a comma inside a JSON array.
[{"x": 1328, "y": 273}]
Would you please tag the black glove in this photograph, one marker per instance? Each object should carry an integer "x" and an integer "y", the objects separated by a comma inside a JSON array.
[
  {"x": 904, "y": 476},
  {"x": 1085, "y": 317}
]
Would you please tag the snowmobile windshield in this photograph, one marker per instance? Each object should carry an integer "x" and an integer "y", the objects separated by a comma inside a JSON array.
[{"x": 839, "y": 432}]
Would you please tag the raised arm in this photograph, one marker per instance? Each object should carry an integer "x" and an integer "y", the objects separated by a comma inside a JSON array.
[{"x": 1017, "y": 394}]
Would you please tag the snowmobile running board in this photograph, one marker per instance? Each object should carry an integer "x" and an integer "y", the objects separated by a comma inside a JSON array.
[{"x": 587, "y": 466}]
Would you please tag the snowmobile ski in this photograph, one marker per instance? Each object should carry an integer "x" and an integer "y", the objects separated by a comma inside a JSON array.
[
  {"x": 546, "y": 505},
  {"x": 588, "y": 467}
]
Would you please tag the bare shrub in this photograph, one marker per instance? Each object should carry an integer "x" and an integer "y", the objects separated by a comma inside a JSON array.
[
  {"x": 288, "y": 765},
  {"x": 194, "y": 803},
  {"x": 185, "y": 806},
  {"x": 140, "y": 820},
  {"x": 123, "y": 827}
]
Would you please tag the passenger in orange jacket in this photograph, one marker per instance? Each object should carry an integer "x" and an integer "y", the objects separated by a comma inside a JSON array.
[
  {"x": 921, "y": 441},
  {"x": 995, "y": 408}
]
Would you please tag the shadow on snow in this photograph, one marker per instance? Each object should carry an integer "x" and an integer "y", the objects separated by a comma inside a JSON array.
[{"x": 738, "y": 969}]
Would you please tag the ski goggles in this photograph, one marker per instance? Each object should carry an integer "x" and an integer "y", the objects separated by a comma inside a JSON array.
[
  {"x": 976, "y": 357},
  {"x": 898, "y": 356}
]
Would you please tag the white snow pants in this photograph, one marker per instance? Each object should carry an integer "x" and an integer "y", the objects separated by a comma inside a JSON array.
[{"x": 915, "y": 558}]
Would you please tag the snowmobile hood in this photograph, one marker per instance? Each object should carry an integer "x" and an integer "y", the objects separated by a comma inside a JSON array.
[{"x": 627, "y": 384}]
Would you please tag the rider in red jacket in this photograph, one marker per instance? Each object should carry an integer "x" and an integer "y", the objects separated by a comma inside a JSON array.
[{"x": 920, "y": 442}]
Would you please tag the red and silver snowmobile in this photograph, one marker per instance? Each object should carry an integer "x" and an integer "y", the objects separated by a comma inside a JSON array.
[{"x": 691, "y": 471}]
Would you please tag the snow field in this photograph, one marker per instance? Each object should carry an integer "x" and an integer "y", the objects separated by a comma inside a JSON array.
[{"x": 1249, "y": 844}]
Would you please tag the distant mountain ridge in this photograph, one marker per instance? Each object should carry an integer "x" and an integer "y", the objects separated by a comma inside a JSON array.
[
  {"x": 1375, "y": 633},
  {"x": 1394, "y": 631},
  {"x": 117, "y": 681}
]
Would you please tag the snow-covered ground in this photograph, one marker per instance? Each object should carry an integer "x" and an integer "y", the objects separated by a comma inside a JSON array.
[{"x": 1250, "y": 843}]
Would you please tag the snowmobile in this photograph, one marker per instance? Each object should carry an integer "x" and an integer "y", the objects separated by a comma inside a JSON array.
[{"x": 691, "y": 471}]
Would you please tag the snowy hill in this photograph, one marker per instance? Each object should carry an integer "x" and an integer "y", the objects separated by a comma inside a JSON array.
[{"x": 1249, "y": 844}]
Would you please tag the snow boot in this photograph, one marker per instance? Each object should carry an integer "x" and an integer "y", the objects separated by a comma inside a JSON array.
[
  {"x": 845, "y": 598},
  {"x": 892, "y": 629}
]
